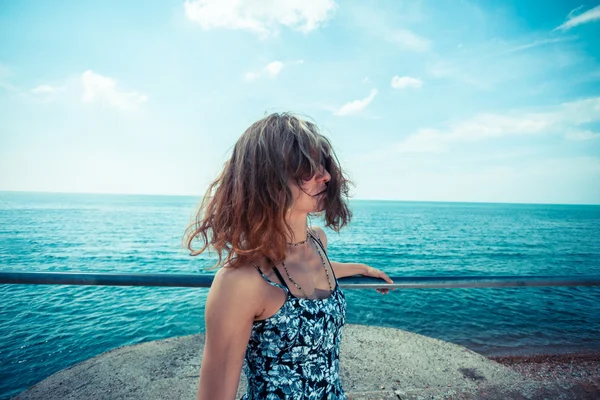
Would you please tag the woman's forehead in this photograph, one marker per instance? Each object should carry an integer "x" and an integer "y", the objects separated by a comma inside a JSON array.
[
  {"x": 319, "y": 153},
  {"x": 322, "y": 146}
]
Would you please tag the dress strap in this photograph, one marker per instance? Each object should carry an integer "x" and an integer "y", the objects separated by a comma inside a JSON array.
[
  {"x": 318, "y": 240},
  {"x": 261, "y": 273},
  {"x": 315, "y": 236},
  {"x": 270, "y": 282},
  {"x": 280, "y": 277},
  {"x": 267, "y": 279}
]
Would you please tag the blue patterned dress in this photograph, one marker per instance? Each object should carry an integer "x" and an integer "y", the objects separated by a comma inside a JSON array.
[{"x": 295, "y": 354}]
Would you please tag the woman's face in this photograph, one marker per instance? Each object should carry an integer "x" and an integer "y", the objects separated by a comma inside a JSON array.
[{"x": 310, "y": 195}]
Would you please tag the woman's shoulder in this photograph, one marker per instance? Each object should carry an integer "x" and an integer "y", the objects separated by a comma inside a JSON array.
[
  {"x": 237, "y": 290},
  {"x": 318, "y": 230},
  {"x": 239, "y": 277},
  {"x": 321, "y": 235}
]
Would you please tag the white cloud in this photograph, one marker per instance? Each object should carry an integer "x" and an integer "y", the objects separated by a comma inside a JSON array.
[
  {"x": 251, "y": 76},
  {"x": 572, "y": 21},
  {"x": 272, "y": 70},
  {"x": 582, "y": 135},
  {"x": 579, "y": 112},
  {"x": 104, "y": 89},
  {"x": 574, "y": 11},
  {"x": 408, "y": 40},
  {"x": 356, "y": 106},
  {"x": 260, "y": 16},
  {"x": 401, "y": 82},
  {"x": 557, "y": 120},
  {"x": 45, "y": 89}
]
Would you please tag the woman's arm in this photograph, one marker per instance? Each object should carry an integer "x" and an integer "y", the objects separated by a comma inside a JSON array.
[
  {"x": 231, "y": 306},
  {"x": 342, "y": 270}
]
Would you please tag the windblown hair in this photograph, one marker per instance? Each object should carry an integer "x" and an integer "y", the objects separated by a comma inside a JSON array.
[{"x": 242, "y": 215}]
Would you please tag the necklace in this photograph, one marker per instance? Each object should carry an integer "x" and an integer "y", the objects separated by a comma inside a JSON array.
[
  {"x": 324, "y": 267},
  {"x": 300, "y": 242}
]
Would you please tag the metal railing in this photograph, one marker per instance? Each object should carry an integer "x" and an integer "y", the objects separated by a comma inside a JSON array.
[{"x": 354, "y": 282}]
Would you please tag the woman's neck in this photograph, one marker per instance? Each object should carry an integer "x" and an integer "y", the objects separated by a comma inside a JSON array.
[{"x": 299, "y": 227}]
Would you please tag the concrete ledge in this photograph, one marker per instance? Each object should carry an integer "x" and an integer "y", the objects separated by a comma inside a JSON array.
[{"x": 375, "y": 363}]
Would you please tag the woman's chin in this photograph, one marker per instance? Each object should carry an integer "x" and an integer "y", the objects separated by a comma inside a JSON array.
[{"x": 320, "y": 207}]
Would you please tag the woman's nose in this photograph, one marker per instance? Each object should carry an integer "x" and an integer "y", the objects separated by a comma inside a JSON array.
[{"x": 324, "y": 175}]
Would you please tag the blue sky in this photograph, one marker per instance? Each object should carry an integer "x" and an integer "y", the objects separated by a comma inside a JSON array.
[{"x": 492, "y": 101}]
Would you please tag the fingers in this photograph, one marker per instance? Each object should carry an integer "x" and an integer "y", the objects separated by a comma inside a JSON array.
[
  {"x": 375, "y": 273},
  {"x": 382, "y": 275}
]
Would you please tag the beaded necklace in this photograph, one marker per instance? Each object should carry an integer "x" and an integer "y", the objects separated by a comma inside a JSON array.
[
  {"x": 324, "y": 267},
  {"x": 300, "y": 242}
]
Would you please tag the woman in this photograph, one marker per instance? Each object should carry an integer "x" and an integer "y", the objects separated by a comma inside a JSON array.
[{"x": 276, "y": 302}]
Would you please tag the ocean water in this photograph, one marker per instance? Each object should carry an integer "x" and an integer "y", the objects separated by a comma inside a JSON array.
[{"x": 45, "y": 328}]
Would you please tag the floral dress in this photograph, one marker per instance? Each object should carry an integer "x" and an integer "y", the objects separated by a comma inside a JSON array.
[{"x": 295, "y": 353}]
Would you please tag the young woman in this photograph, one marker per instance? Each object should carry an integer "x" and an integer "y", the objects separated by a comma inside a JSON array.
[{"x": 276, "y": 302}]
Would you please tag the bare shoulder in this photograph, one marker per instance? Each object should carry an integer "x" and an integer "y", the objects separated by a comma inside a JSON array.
[
  {"x": 231, "y": 307},
  {"x": 237, "y": 276},
  {"x": 321, "y": 233},
  {"x": 238, "y": 287}
]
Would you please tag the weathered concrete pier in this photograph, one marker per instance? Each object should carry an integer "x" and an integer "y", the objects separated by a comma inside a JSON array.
[{"x": 376, "y": 363}]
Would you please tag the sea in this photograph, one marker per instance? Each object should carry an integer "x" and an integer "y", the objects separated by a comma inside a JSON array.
[{"x": 45, "y": 328}]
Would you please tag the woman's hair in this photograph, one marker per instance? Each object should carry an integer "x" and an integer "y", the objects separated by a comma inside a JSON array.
[{"x": 243, "y": 211}]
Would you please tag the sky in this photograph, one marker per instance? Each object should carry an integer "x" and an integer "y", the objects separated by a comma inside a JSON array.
[{"x": 439, "y": 100}]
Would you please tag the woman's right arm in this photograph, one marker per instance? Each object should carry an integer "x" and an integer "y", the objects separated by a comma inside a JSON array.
[{"x": 231, "y": 307}]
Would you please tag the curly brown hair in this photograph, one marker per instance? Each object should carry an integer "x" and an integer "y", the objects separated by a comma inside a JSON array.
[{"x": 243, "y": 211}]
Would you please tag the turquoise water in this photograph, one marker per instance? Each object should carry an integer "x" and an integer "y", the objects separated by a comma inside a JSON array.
[{"x": 47, "y": 328}]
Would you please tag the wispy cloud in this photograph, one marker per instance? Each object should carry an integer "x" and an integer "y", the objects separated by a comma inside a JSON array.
[
  {"x": 356, "y": 106},
  {"x": 540, "y": 42},
  {"x": 574, "y": 11},
  {"x": 568, "y": 117},
  {"x": 271, "y": 70},
  {"x": 98, "y": 88},
  {"x": 398, "y": 29},
  {"x": 457, "y": 71},
  {"x": 593, "y": 14},
  {"x": 46, "y": 89},
  {"x": 5, "y": 71},
  {"x": 401, "y": 82},
  {"x": 5, "y": 74},
  {"x": 582, "y": 135},
  {"x": 496, "y": 63},
  {"x": 261, "y": 17},
  {"x": 407, "y": 39}
]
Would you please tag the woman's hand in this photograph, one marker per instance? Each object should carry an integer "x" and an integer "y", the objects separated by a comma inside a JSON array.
[{"x": 375, "y": 273}]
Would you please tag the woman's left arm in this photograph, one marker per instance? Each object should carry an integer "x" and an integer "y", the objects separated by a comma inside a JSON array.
[{"x": 342, "y": 270}]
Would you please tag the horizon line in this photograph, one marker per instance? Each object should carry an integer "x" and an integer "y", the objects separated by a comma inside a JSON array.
[{"x": 352, "y": 199}]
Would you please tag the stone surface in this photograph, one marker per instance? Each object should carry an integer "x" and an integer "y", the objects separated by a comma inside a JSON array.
[{"x": 376, "y": 363}]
